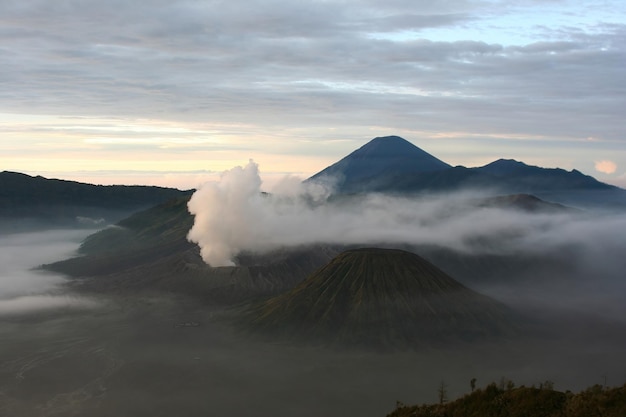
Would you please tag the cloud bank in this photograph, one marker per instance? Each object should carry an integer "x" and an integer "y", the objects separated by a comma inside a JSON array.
[
  {"x": 24, "y": 289},
  {"x": 35, "y": 303},
  {"x": 233, "y": 215}
]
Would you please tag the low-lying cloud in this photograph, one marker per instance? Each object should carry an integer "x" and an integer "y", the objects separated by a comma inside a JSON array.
[
  {"x": 23, "y": 288},
  {"x": 35, "y": 303},
  {"x": 233, "y": 215}
]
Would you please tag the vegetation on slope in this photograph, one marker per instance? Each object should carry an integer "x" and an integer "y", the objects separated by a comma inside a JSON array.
[
  {"x": 149, "y": 251},
  {"x": 166, "y": 223},
  {"x": 140, "y": 239},
  {"x": 382, "y": 297},
  {"x": 504, "y": 400}
]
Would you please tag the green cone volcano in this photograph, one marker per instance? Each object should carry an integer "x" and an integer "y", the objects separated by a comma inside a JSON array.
[{"x": 381, "y": 297}]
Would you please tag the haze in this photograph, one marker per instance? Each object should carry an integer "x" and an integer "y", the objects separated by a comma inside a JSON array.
[
  {"x": 135, "y": 355},
  {"x": 129, "y": 357}
]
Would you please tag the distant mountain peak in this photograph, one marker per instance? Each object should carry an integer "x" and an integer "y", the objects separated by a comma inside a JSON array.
[
  {"x": 507, "y": 161},
  {"x": 395, "y": 148},
  {"x": 378, "y": 159},
  {"x": 386, "y": 146},
  {"x": 503, "y": 166}
]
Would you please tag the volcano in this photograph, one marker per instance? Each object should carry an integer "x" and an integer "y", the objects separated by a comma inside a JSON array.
[
  {"x": 381, "y": 297},
  {"x": 378, "y": 162},
  {"x": 393, "y": 165}
]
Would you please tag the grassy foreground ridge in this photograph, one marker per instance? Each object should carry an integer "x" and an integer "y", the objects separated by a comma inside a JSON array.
[{"x": 504, "y": 400}]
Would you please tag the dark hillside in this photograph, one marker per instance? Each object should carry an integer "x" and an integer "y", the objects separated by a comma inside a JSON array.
[
  {"x": 393, "y": 165},
  {"x": 508, "y": 401},
  {"x": 529, "y": 178},
  {"x": 53, "y": 201},
  {"x": 381, "y": 297},
  {"x": 149, "y": 251},
  {"x": 375, "y": 163},
  {"x": 165, "y": 224}
]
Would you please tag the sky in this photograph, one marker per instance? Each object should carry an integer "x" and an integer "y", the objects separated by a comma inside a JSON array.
[{"x": 175, "y": 92}]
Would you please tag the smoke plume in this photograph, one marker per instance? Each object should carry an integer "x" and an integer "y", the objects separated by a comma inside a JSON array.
[{"x": 234, "y": 215}]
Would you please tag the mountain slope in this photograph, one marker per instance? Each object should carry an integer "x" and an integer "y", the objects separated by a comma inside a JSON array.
[
  {"x": 149, "y": 252},
  {"x": 508, "y": 401},
  {"x": 53, "y": 201},
  {"x": 533, "y": 178},
  {"x": 381, "y": 297},
  {"x": 375, "y": 161},
  {"x": 393, "y": 165}
]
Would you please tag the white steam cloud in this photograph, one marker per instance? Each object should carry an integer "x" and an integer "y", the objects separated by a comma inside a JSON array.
[{"x": 233, "y": 215}]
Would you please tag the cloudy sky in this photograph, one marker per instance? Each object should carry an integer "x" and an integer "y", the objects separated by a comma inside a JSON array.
[{"x": 173, "y": 92}]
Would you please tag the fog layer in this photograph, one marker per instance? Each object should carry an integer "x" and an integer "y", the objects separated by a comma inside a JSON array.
[
  {"x": 233, "y": 215},
  {"x": 132, "y": 357},
  {"x": 23, "y": 288}
]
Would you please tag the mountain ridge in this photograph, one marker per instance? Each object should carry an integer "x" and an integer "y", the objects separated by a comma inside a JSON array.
[
  {"x": 56, "y": 202},
  {"x": 403, "y": 168}
]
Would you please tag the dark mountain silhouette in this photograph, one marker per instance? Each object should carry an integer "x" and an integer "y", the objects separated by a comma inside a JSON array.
[
  {"x": 381, "y": 297},
  {"x": 503, "y": 167},
  {"x": 532, "y": 178},
  {"x": 375, "y": 162},
  {"x": 393, "y": 165},
  {"x": 553, "y": 184},
  {"x": 149, "y": 252},
  {"x": 50, "y": 202}
]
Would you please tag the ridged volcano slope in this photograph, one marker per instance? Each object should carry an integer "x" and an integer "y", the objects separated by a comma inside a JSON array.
[
  {"x": 378, "y": 164},
  {"x": 383, "y": 297}
]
